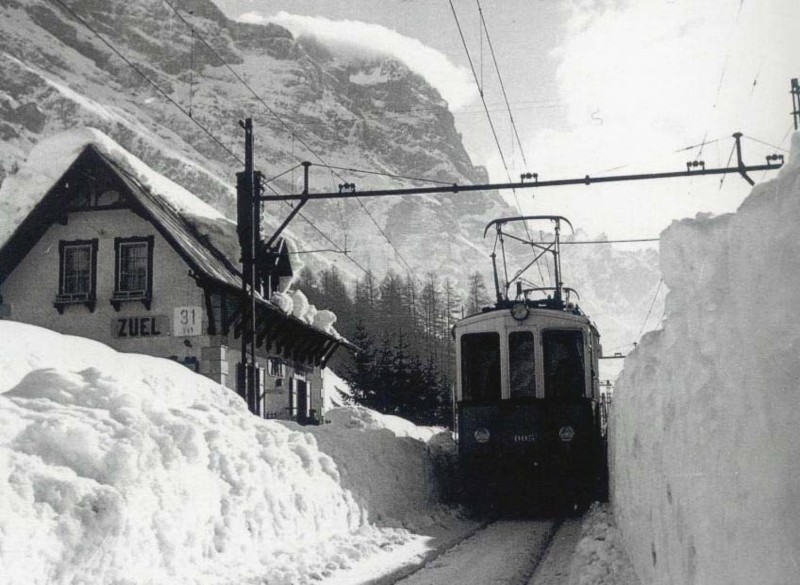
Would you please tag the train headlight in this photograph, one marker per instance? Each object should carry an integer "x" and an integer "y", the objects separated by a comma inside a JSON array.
[
  {"x": 482, "y": 435},
  {"x": 520, "y": 311},
  {"x": 566, "y": 433}
]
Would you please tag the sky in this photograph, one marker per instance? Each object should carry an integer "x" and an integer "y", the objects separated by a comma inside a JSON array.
[{"x": 594, "y": 86}]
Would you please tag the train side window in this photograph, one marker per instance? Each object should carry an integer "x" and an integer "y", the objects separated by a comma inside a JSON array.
[
  {"x": 480, "y": 366},
  {"x": 564, "y": 373},
  {"x": 522, "y": 367}
]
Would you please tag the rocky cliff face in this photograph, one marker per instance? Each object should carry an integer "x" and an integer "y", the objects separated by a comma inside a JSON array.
[{"x": 309, "y": 104}]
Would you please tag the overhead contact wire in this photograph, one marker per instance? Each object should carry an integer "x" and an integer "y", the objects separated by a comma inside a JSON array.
[
  {"x": 486, "y": 109},
  {"x": 286, "y": 126},
  {"x": 502, "y": 85},
  {"x": 150, "y": 81}
]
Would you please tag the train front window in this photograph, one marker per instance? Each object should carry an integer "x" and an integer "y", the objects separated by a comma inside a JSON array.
[
  {"x": 522, "y": 367},
  {"x": 564, "y": 374},
  {"x": 480, "y": 366}
]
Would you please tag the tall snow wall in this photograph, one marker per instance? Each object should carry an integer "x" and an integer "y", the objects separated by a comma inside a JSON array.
[{"x": 705, "y": 430}]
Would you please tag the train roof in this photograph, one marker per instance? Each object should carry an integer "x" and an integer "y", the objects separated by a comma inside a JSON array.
[{"x": 527, "y": 312}]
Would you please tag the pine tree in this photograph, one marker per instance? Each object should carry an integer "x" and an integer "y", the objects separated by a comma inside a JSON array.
[
  {"x": 405, "y": 360},
  {"x": 306, "y": 281},
  {"x": 478, "y": 297},
  {"x": 361, "y": 374}
]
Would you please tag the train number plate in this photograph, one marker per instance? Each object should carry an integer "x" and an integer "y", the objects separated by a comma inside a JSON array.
[{"x": 529, "y": 438}]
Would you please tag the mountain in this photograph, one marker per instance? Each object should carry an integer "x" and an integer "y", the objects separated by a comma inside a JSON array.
[{"x": 307, "y": 102}]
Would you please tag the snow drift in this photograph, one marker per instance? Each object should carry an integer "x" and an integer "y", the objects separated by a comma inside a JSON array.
[
  {"x": 122, "y": 468},
  {"x": 705, "y": 448}
]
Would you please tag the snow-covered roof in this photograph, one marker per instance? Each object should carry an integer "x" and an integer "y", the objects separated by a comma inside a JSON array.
[{"x": 49, "y": 160}]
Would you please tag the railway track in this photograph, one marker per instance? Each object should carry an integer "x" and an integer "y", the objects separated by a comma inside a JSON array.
[{"x": 501, "y": 551}]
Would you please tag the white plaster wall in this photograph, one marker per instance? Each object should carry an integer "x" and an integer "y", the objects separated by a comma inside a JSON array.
[{"x": 32, "y": 287}]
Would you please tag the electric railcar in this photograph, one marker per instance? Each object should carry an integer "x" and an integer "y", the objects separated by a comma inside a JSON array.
[{"x": 527, "y": 402}]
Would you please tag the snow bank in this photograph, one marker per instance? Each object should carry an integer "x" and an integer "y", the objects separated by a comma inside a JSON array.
[
  {"x": 392, "y": 467},
  {"x": 705, "y": 449},
  {"x": 122, "y": 468},
  {"x": 599, "y": 557}
]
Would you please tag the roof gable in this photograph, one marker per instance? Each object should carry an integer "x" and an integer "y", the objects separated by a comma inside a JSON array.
[{"x": 93, "y": 181}]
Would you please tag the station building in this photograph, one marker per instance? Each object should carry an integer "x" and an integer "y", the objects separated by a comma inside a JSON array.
[{"x": 105, "y": 248}]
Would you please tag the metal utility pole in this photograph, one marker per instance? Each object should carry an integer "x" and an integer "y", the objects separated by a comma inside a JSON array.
[
  {"x": 796, "y": 103},
  {"x": 248, "y": 216}
]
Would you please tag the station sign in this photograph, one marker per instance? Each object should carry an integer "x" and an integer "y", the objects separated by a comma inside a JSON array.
[{"x": 140, "y": 326}]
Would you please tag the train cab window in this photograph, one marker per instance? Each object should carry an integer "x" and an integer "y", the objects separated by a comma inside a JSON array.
[
  {"x": 522, "y": 367},
  {"x": 480, "y": 366},
  {"x": 564, "y": 374}
]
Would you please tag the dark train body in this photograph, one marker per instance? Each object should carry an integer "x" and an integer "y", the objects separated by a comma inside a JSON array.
[{"x": 530, "y": 417}]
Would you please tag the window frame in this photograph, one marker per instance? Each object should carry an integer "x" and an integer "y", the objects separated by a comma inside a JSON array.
[
  {"x": 549, "y": 391},
  {"x": 516, "y": 391},
  {"x": 481, "y": 383},
  {"x": 145, "y": 296},
  {"x": 276, "y": 368},
  {"x": 88, "y": 298}
]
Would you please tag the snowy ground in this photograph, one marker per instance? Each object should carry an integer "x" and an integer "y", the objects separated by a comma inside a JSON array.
[{"x": 127, "y": 469}]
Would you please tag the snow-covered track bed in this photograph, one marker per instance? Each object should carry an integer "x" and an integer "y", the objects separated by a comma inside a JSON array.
[{"x": 503, "y": 552}]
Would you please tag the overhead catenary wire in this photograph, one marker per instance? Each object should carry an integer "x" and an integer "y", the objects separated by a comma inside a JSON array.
[
  {"x": 345, "y": 225},
  {"x": 241, "y": 80},
  {"x": 468, "y": 110},
  {"x": 286, "y": 126},
  {"x": 650, "y": 310},
  {"x": 502, "y": 85},
  {"x": 191, "y": 76},
  {"x": 764, "y": 143},
  {"x": 390, "y": 175},
  {"x": 631, "y": 241},
  {"x": 486, "y": 109},
  {"x": 320, "y": 232},
  {"x": 679, "y": 150},
  {"x": 701, "y": 144},
  {"x": 147, "y": 78},
  {"x": 278, "y": 176},
  {"x": 788, "y": 131},
  {"x": 334, "y": 244},
  {"x": 480, "y": 89},
  {"x": 730, "y": 158}
]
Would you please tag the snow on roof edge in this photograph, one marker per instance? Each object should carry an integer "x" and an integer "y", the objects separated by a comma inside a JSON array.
[{"x": 49, "y": 159}]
